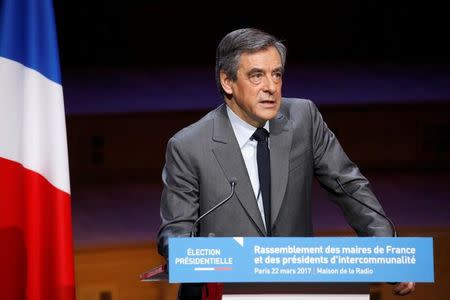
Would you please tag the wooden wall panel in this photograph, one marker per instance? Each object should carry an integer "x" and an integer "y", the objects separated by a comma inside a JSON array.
[
  {"x": 112, "y": 273},
  {"x": 130, "y": 146}
]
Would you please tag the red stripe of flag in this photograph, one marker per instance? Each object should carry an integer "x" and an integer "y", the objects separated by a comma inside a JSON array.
[{"x": 36, "y": 250}]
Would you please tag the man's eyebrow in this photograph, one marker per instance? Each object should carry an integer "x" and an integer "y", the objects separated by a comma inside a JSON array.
[
  {"x": 255, "y": 70},
  {"x": 259, "y": 70},
  {"x": 279, "y": 69}
]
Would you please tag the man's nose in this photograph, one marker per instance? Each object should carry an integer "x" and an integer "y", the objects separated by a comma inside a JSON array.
[{"x": 269, "y": 84}]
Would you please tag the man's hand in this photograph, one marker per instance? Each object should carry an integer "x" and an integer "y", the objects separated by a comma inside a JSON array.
[{"x": 403, "y": 288}]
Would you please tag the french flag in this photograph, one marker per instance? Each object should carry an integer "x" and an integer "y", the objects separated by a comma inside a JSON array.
[{"x": 36, "y": 248}]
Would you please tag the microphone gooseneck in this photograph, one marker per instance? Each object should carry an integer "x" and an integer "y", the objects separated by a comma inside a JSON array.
[
  {"x": 194, "y": 226},
  {"x": 368, "y": 206}
]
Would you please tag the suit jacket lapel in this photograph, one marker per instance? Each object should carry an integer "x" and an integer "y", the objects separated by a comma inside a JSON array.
[
  {"x": 280, "y": 146},
  {"x": 228, "y": 154}
]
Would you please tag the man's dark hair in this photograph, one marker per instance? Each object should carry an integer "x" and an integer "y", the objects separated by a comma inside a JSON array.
[{"x": 246, "y": 40}]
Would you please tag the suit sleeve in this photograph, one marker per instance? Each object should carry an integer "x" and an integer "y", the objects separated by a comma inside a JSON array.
[
  {"x": 180, "y": 196},
  {"x": 331, "y": 163}
]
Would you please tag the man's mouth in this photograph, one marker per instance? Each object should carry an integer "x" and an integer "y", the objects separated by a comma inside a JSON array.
[{"x": 267, "y": 102}]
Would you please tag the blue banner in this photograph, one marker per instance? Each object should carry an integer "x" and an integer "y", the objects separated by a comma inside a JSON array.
[{"x": 280, "y": 259}]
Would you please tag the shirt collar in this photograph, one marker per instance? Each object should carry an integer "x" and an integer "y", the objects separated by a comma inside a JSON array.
[{"x": 242, "y": 130}]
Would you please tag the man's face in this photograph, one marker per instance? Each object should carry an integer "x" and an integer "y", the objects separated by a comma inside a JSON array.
[{"x": 256, "y": 93}]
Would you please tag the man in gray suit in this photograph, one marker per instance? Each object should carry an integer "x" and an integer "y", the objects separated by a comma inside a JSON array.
[{"x": 221, "y": 149}]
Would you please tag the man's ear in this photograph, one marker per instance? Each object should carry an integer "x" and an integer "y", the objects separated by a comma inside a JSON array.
[{"x": 226, "y": 83}]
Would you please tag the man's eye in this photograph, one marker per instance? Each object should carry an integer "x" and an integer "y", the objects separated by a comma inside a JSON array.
[{"x": 256, "y": 77}]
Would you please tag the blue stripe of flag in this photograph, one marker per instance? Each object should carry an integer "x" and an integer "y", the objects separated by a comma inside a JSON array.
[{"x": 28, "y": 35}]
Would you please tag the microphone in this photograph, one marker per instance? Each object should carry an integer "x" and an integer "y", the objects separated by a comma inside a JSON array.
[
  {"x": 194, "y": 226},
  {"x": 369, "y": 207}
]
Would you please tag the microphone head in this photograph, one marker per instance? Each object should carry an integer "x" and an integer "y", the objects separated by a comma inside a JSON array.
[{"x": 233, "y": 180}]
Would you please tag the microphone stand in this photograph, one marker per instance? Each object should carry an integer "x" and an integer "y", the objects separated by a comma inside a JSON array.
[
  {"x": 194, "y": 226},
  {"x": 369, "y": 207}
]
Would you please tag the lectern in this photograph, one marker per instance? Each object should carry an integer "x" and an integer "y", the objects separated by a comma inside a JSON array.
[{"x": 296, "y": 268}]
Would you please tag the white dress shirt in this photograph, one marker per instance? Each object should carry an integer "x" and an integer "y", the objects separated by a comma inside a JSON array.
[{"x": 243, "y": 132}]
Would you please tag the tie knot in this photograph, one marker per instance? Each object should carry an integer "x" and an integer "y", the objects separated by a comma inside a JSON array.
[{"x": 260, "y": 134}]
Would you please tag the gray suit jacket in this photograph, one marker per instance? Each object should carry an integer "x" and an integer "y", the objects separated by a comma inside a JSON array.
[{"x": 202, "y": 159}]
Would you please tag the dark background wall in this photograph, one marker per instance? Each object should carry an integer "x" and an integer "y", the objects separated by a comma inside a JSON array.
[
  {"x": 161, "y": 33},
  {"x": 129, "y": 56}
]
